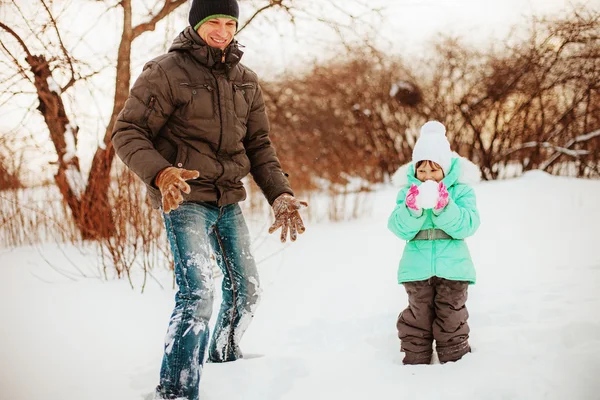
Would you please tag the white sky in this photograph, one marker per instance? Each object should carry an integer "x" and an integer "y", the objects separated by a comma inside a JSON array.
[{"x": 406, "y": 29}]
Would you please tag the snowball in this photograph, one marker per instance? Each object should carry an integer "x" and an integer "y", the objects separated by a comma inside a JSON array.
[{"x": 428, "y": 194}]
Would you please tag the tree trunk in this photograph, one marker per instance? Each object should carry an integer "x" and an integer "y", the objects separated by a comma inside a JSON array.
[
  {"x": 96, "y": 195},
  {"x": 53, "y": 110},
  {"x": 95, "y": 200}
]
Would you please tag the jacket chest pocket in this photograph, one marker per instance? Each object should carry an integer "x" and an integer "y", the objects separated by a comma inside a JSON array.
[
  {"x": 241, "y": 98},
  {"x": 200, "y": 99}
]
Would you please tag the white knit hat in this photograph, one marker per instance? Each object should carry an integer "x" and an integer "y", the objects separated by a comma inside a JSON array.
[{"x": 433, "y": 145}]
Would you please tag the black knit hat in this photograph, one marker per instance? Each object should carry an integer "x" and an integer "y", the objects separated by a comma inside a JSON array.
[{"x": 203, "y": 10}]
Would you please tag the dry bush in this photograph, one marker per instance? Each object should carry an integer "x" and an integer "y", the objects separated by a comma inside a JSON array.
[
  {"x": 340, "y": 122},
  {"x": 37, "y": 215},
  {"x": 10, "y": 163},
  {"x": 34, "y": 215},
  {"x": 139, "y": 240},
  {"x": 8, "y": 179},
  {"x": 532, "y": 104}
]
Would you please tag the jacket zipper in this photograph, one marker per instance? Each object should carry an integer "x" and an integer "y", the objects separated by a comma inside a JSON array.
[
  {"x": 220, "y": 136},
  {"x": 202, "y": 85},
  {"x": 433, "y": 257},
  {"x": 150, "y": 108},
  {"x": 243, "y": 86}
]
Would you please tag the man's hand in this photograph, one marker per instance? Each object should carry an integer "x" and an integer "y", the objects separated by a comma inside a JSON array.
[
  {"x": 287, "y": 216},
  {"x": 171, "y": 182}
]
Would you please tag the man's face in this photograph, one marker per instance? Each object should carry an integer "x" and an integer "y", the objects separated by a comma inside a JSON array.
[{"x": 218, "y": 32}]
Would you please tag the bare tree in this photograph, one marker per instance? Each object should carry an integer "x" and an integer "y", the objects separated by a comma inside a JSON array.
[
  {"x": 88, "y": 200},
  {"x": 530, "y": 104},
  {"x": 536, "y": 104},
  {"x": 343, "y": 120}
]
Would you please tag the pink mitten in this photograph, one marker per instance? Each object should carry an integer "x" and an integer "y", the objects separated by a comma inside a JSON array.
[
  {"x": 411, "y": 198},
  {"x": 443, "y": 199}
]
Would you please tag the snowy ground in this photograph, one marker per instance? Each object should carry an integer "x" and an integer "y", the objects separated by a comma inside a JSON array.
[{"x": 326, "y": 325}]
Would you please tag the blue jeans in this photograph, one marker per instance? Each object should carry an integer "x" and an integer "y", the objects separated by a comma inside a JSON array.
[{"x": 195, "y": 230}]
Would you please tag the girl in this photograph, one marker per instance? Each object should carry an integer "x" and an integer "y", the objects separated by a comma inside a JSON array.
[{"x": 435, "y": 211}]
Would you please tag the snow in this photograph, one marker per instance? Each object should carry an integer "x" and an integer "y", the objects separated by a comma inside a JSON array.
[
  {"x": 588, "y": 136},
  {"x": 325, "y": 328},
  {"x": 428, "y": 194},
  {"x": 401, "y": 85},
  {"x": 53, "y": 85},
  {"x": 71, "y": 149},
  {"x": 76, "y": 180}
]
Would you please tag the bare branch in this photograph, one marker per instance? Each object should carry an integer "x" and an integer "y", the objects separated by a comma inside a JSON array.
[
  {"x": 168, "y": 7},
  {"x": 11, "y": 95},
  {"x": 16, "y": 36},
  {"x": 62, "y": 47},
  {"x": 587, "y": 136},
  {"x": 27, "y": 23},
  {"x": 92, "y": 26},
  {"x": 272, "y": 3},
  {"x": 16, "y": 62},
  {"x": 565, "y": 149}
]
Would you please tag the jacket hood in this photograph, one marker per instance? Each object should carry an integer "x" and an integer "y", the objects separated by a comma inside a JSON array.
[
  {"x": 461, "y": 171},
  {"x": 189, "y": 40}
]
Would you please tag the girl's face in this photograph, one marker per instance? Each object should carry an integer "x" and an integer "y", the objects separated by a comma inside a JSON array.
[{"x": 429, "y": 171}]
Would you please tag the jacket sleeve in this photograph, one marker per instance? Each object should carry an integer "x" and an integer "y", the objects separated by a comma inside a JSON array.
[
  {"x": 460, "y": 218},
  {"x": 148, "y": 107},
  {"x": 265, "y": 167},
  {"x": 402, "y": 222}
]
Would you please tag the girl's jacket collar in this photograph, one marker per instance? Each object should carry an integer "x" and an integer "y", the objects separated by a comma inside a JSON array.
[{"x": 461, "y": 171}]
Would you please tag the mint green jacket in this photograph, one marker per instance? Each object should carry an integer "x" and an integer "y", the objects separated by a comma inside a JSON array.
[{"x": 449, "y": 259}]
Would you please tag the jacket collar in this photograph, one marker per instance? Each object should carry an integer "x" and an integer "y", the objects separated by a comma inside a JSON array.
[
  {"x": 461, "y": 171},
  {"x": 189, "y": 40}
]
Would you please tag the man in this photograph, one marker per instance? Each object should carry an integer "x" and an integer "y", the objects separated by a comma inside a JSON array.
[{"x": 195, "y": 125}]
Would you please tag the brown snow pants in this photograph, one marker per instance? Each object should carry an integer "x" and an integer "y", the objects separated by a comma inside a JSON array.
[{"x": 436, "y": 310}]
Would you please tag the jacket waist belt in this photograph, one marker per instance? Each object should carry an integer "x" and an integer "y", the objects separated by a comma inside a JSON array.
[{"x": 432, "y": 234}]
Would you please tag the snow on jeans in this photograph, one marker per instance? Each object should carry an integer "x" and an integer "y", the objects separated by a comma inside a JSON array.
[
  {"x": 194, "y": 231},
  {"x": 436, "y": 310}
]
